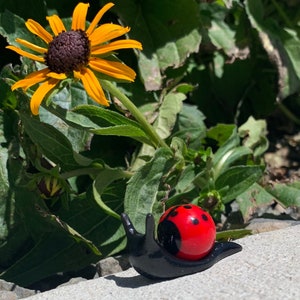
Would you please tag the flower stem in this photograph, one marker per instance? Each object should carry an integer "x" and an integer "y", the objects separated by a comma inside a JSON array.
[{"x": 155, "y": 138}]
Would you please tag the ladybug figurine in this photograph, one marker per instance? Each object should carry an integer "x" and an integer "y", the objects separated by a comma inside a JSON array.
[
  {"x": 187, "y": 231},
  {"x": 186, "y": 243}
]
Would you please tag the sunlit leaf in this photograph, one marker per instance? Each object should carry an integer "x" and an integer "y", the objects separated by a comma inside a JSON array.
[
  {"x": 106, "y": 122},
  {"x": 237, "y": 180},
  {"x": 252, "y": 200},
  {"x": 141, "y": 193},
  {"x": 167, "y": 115},
  {"x": 254, "y": 133},
  {"x": 287, "y": 195},
  {"x": 168, "y": 31}
]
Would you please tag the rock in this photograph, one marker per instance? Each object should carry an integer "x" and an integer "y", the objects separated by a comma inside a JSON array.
[
  {"x": 6, "y": 295},
  {"x": 111, "y": 265},
  {"x": 10, "y": 291},
  {"x": 73, "y": 281},
  {"x": 259, "y": 225}
]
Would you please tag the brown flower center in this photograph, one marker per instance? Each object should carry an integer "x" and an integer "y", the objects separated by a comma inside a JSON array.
[{"x": 69, "y": 51}]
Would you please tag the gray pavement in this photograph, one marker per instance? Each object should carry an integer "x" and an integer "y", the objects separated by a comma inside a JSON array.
[{"x": 267, "y": 268}]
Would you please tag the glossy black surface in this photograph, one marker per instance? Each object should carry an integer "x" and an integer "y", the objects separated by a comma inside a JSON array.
[{"x": 149, "y": 259}]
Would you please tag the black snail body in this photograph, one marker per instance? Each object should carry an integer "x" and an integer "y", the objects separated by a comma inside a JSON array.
[{"x": 151, "y": 260}]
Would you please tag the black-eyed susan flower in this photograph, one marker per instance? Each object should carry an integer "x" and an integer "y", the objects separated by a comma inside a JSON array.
[{"x": 75, "y": 53}]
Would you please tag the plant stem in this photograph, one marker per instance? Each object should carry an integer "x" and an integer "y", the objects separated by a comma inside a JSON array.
[
  {"x": 155, "y": 138},
  {"x": 92, "y": 171},
  {"x": 282, "y": 14},
  {"x": 288, "y": 113}
]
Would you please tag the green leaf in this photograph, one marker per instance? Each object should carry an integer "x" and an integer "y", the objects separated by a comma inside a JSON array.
[
  {"x": 53, "y": 143},
  {"x": 227, "y": 235},
  {"x": 222, "y": 34},
  {"x": 12, "y": 27},
  {"x": 94, "y": 223},
  {"x": 252, "y": 200},
  {"x": 100, "y": 121},
  {"x": 9, "y": 100},
  {"x": 286, "y": 195},
  {"x": 254, "y": 133},
  {"x": 168, "y": 31},
  {"x": 63, "y": 101},
  {"x": 167, "y": 115},
  {"x": 102, "y": 181},
  {"x": 34, "y": 9},
  {"x": 190, "y": 126},
  {"x": 236, "y": 180},
  {"x": 229, "y": 158},
  {"x": 54, "y": 241},
  {"x": 13, "y": 236},
  {"x": 222, "y": 37},
  {"x": 78, "y": 138},
  {"x": 6, "y": 201},
  {"x": 224, "y": 134},
  {"x": 141, "y": 194},
  {"x": 227, "y": 139},
  {"x": 69, "y": 242}
]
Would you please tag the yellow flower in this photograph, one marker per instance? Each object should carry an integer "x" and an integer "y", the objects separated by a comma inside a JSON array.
[{"x": 75, "y": 53}]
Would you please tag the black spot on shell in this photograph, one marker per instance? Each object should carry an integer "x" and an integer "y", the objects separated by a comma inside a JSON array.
[
  {"x": 173, "y": 213},
  {"x": 195, "y": 221},
  {"x": 187, "y": 206},
  {"x": 204, "y": 217}
]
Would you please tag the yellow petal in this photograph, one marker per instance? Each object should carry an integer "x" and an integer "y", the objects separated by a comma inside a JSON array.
[
  {"x": 107, "y": 32},
  {"x": 116, "y": 45},
  {"x": 26, "y": 54},
  {"x": 79, "y": 16},
  {"x": 92, "y": 85},
  {"x": 112, "y": 68},
  {"x": 98, "y": 17},
  {"x": 41, "y": 93},
  {"x": 56, "y": 24},
  {"x": 31, "y": 79},
  {"x": 60, "y": 76},
  {"x": 37, "y": 29},
  {"x": 31, "y": 46}
]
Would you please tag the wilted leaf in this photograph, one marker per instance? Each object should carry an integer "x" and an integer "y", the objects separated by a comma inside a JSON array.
[
  {"x": 254, "y": 199},
  {"x": 280, "y": 44},
  {"x": 254, "y": 133},
  {"x": 287, "y": 195},
  {"x": 167, "y": 115}
]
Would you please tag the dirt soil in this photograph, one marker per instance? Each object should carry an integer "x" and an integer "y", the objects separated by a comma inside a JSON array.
[{"x": 283, "y": 156}]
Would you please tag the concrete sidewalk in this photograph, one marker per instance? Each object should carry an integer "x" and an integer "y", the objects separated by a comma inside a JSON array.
[{"x": 267, "y": 268}]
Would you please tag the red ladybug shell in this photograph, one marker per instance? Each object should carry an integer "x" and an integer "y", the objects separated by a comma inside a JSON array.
[{"x": 187, "y": 231}]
